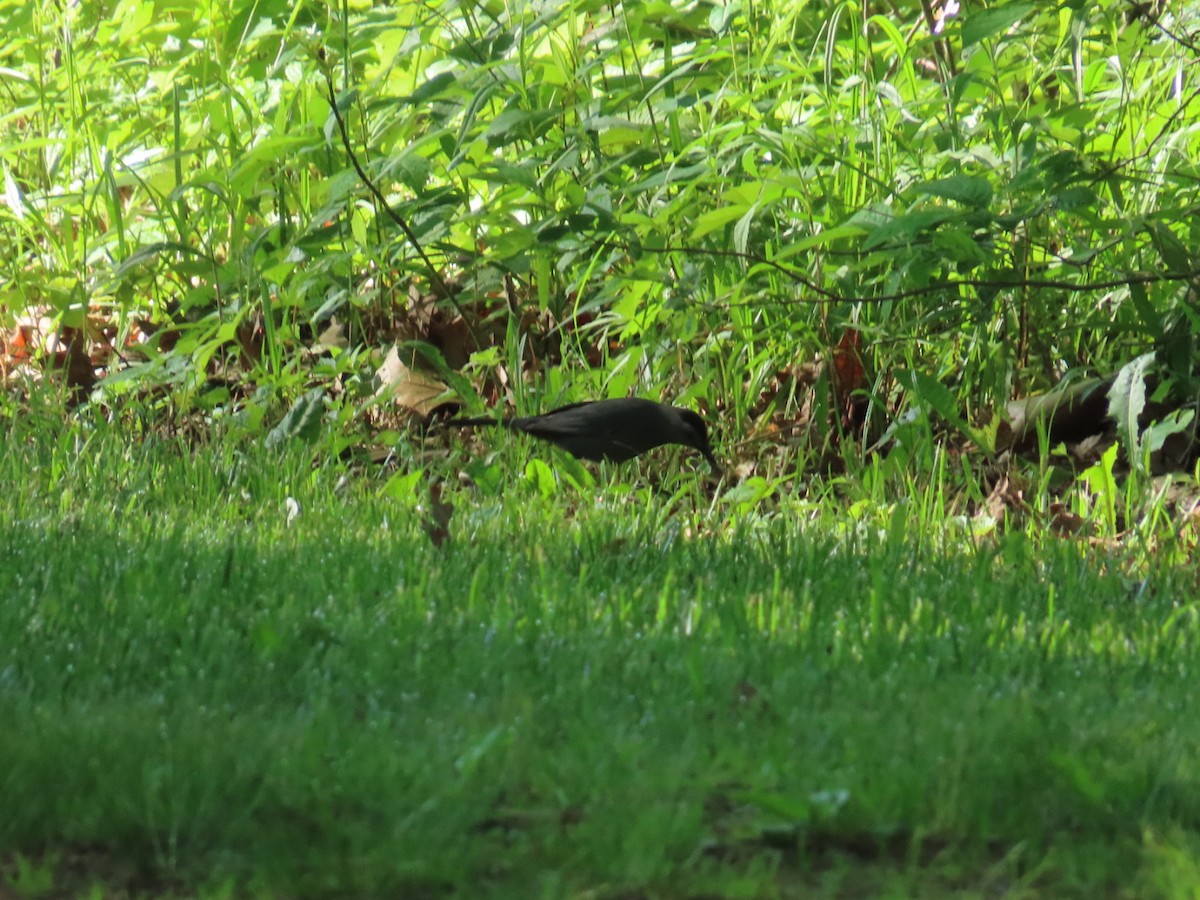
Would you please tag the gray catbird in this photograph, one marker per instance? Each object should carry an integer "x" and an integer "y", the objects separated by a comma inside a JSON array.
[{"x": 615, "y": 430}]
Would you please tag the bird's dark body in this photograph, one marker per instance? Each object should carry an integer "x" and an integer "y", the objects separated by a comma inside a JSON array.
[{"x": 614, "y": 430}]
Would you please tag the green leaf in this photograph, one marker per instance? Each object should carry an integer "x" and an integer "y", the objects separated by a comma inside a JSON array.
[
  {"x": 717, "y": 218},
  {"x": 821, "y": 239},
  {"x": 893, "y": 33},
  {"x": 302, "y": 421},
  {"x": 432, "y": 355},
  {"x": 1171, "y": 249},
  {"x": 908, "y": 226},
  {"x": 741, "y": 231},
  {"x": 972, "y": 190},
  {"x": 14, "y": 195},
  {"x": 511, "y": 243},
  {"x": 959, "y": 246},
  {"x": 1156, "y": 434},
  {"x": 1077, "y": 197},
  {"x": 672, "y": 175},
  {"x": 748, "y": 494},
  {"x": 931, "y": 393},
  {"x": 483, "y": 50},
  {"x": 485, "y": 475},
  {"x": 983, "y": 23},
  {"x": 541, "y": 476},
  {"x": 1100, "y": 481},
  {"x": 410, "y": 168},
  {"x": 575, "y": 473},
  {"x": 1126, "y": 400},
  {"x": 432, "y": 88},
  {"x": 515, "y": 125},
  {"x": 501, "y": 172},
  {"x": 403, "y": 486},
  {"x": 1152, "y": 321}
]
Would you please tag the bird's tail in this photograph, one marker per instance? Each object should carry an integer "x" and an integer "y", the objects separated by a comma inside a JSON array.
[{"x": 475, "y": 422}]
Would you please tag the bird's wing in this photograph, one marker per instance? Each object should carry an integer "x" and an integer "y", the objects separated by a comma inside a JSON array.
[{"x": 567, "y": 408}]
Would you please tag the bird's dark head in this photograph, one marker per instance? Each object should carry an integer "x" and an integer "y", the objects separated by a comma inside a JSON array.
[{"x": 697, "y": 435}]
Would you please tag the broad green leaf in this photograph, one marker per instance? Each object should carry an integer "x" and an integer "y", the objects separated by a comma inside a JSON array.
[
  {"x": 1171, "y": 249},
  {"x": 908, "y": 226},
  {"x": 982, "y": 24},
  {"x": 14, "y": 195},
  {"x": 302, "y": 421},
  {"x": 1127, "y": 399},
  {"x": 403, "y": 486},
  {"x": 486, "y": 475},
  {"x": 617, "y": 139},
  {"x": 1152, "y": 321},
  {"x": 888, "y": 27},
  {"x": 959, "y": 246},
  {"x": 748, "y": 494},
  {"x": 717, "y": 218},
  {"x": 510, "y": 243},
  {"x": 1157, "y": 433},
  {"x": 936, "y": 396},
  {"x": 432, "y": 88},
  {"x": 741, "y": 231},
  {"x": 247, "y": 173},
  {"x": 1100, "y": 481},
  {"x": 541, "y": 476},
  {"x": 482, "y": 51},
  {"x": 821, "y": 239},
  {"x": 512, "y": 125},
  {"x": 672, "y": 176},
  {"x": 969, "y": 189},
  {"x": 412, "y": 169},
  {"x": 1074, "y": 198},
  {"x": 501, "y": 172}
]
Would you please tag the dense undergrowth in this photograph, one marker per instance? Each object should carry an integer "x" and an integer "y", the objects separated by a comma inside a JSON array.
[
  {"x": 268, "y": 634},
  {"x": 687, "y": 200}
]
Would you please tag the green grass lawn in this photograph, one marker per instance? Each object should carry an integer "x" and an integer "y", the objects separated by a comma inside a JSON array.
[{"x": 631, "y": 697}]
